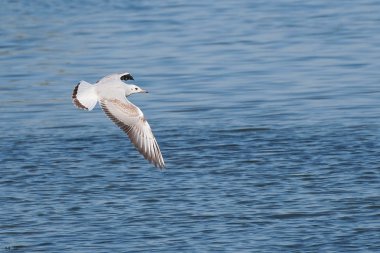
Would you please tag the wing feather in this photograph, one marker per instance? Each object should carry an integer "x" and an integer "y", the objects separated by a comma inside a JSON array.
[{"x": 131, "y": 120}]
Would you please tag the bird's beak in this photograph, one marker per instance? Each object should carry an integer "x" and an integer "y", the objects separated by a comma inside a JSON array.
[{"x": 144, "y": 91}]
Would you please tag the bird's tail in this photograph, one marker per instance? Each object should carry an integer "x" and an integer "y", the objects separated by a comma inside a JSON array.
[{"x": 84, "y": 96}]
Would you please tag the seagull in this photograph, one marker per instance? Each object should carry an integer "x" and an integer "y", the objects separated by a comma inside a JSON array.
[{"x": 111, "y": 93}]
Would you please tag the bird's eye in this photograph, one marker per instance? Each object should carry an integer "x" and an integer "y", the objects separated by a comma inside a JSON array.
[{"x": 136, "y": 88}]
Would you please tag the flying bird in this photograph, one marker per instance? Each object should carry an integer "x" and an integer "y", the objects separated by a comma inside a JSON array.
[{"x": 111, "y": 93}]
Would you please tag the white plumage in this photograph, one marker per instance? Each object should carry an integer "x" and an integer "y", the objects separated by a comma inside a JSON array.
[{"x": 111, "y": 93}]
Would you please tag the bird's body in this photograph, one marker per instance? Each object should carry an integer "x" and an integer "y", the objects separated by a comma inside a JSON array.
[{"x": 111, "y": 93}]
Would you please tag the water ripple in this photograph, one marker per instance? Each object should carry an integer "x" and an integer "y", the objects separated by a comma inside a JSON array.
[{"x": 268, "y": 122}]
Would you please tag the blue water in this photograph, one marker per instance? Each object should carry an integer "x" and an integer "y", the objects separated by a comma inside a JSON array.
[{"x": 267, "y": 114}]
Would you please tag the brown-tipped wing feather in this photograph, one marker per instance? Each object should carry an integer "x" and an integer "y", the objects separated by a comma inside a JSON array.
[{"x": 131, "y": 120}]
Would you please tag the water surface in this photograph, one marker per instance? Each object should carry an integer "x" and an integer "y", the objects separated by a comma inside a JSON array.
[{"x": 267, "y": 114}]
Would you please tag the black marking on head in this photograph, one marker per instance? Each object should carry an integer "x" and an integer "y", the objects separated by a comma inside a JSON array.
[{"x": 126, "y": 77}]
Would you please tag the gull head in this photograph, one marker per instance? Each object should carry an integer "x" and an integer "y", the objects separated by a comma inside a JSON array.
[{"x": 132, "y": 89}]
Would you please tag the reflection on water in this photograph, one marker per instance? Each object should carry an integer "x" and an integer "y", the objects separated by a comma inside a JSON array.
[{"x": 267, "y": 115}]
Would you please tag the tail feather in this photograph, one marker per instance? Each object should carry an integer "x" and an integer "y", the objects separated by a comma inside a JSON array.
[{"x": 84, "y": 96}]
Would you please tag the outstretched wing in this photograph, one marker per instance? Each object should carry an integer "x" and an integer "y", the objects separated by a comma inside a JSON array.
[{"x": 131, "y": 120}]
